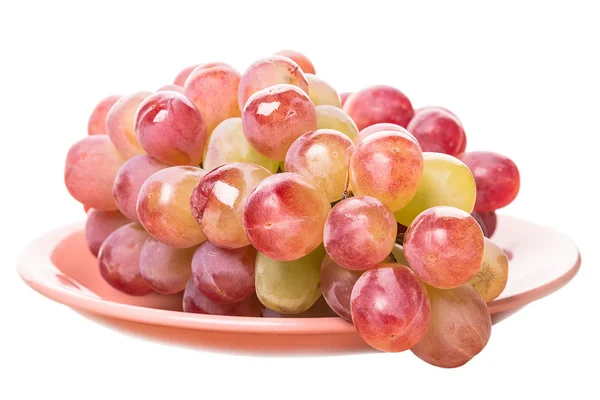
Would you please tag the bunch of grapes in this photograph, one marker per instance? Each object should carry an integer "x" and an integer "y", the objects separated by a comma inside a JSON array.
[{"x": 258, "y": 194}]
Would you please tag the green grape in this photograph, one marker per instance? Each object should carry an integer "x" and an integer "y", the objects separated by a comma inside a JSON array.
[{"x": 331, "y": 117}]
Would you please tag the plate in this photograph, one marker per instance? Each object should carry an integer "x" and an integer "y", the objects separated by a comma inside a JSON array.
[{"x": 59, "y": 266}]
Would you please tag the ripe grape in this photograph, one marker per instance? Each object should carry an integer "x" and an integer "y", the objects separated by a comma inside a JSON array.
[
  {"x": 183, "y": 75},
  {"x": 214, "y": 89},
  {"x": 163, "y": 206},
  {"x": 120, "y": 122},
  {"x": 322, "y": 157},
  {"x": 119, "y": 260},
  {"x": 446, "y": 181},
  {"x": 99, "y": 225},
  {"x": 360, "y": 233},
  {"x": 129, "y": 180},
  {"x": 274, "y": 117},
  {"x": 90, "y": 169},
  {"x": 196, "y": 302},
  {"x": 492, "y": 276},
  {"x": 377, "y": 104},
  {"x": 227, "y": 144},
  {"x": 438, "y": 130},
  {"x": 172, "y": 88},
  {"x": 344, "y": 96},
  {"x": 97, "y": 121},
  {"x": 388, "y": 166},
  {"x": 490, "y": 220},
  {"x": 384, "y": 126},
  {"x": 337, "y": 283},
  {"x": 171, "y": 129},
  {"x": 444, "y": 247},
  {"x": 285, "y": 215},
  {"x": 289, "y": 287},
  {"x": 165, "y": 268},
  {"x": 222, "y": 275},
  {"x": 321, "y": 92},
  {"x": 497, "y": 179},
  {"x": 218, "y": 201},
  {"x": 477, "y": 218},
  {"x": 390, "y": 308},
  {"x": 303, "y": 62},
  {"x": 267, "y": 72},
  {"x": 459, "y": 329},
  {"x": 331, "y": 117}
]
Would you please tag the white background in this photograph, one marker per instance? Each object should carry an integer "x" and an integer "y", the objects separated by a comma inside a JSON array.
[{"x": 522, "y": 76}]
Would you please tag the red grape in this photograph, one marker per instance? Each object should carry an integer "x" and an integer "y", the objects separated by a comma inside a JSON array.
[
  {"x": 97, "y": 121},
  {"x": 183, "y": 75},
  {"x": 490, "y": 221},
  {"x": 377, "y": 104},
  {"x": 99, "y": 225},
  {"x": 195, "y": 302},
  {"x": 303, "y": 62},
  {"x": 381, "y": 127},
  {"x": 337, "y": 283},
  {"x": 438, "y": 131},
  {"x": 165, "y": 268}
]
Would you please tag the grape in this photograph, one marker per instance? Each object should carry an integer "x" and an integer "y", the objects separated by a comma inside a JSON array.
[
  {"x": 390, "y": 308},
  {"x": 289, "y": 287},
  {"x": 268, "y": 72},
  {"x": 303, "y": 62},
  {"x": 477, "y": 218},
  {"x": 284, "y": 216},
  {"x": 120, "y": 122},
  {"x": 318, "y": 310},
  {"x": 214, "y": 89},
  {"x": 99, "y": 225},
  {"x": 417, "y": 110},
  {"x": 322, "y": 157},
  {"x": 222, "y": 275},
  {"x": 438, "y": 130},
  {"x": 490, "y": 220},
  {"x": 165, "y": 268},
  {"x": 337, "y": 283},
  {"x": 388, "y": 166},
  {"x": 172, "y": 88},
  {"x": 459, "y": 329},
  {"x": 446, "y": 181},
  {"x": 218, "y": 201},
  {"x": 331, "y": 117},
  {"x": 384, "y": 126},
  {"x": 119, "y": 260},
  {"x": 195, "y": 302},
  {"x": 129, "y": 180},
  {"x": 97, "y": 121},
  {"x": 360, "y": 232},
  {"x": 377, "y": 104},
  {"x": 444, "y": 246},
  {"x": 321, "y": 92},
  {"x": 497, "y": 179},
  {"x": 227, "y": 144},
  {"x": 344, "y": 96},
  {"x": 183, "y": 75},
  {"x": 398, "y": 253},
  {"x": 163, "y": 206},
  {"x": 492, "y": 276},
  {"x": 90, "y": 169},
  {"x": 171, "y": 129},
  {"x": 273, "y": 118}
]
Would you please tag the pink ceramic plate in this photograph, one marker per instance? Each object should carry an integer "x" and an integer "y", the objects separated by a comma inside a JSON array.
[{"x": 59, "y": 266}]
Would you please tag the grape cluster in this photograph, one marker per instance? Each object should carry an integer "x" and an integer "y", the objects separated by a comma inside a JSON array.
[{"x": 258, "y": 194}]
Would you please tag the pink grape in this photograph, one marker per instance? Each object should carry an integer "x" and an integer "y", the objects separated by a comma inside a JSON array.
[
  {"x": 129, "y": 180},
  {"x": 90, "y": 169},
  {"x": 171, "y": 129},
  {"x": 444, "y": 246},
  {"x": 163, "y": 206},
  {"x": 99, "y": 225},
  {"x": 322, "y": 157},
  {"x": 166, "y": 269},
  {"x": 268, "y": 72},
  {"x": 183, "y": 75},
  {"x": 224, "y": 275},
  {"x": 388, "y": 166},
  {"x": 218, "y": 200},
  {"x": 377, "y": 104},
  {"x": 337, "y": 283},
  {"x": 381, "y": 127},
  {"x": 195, "y": 302},
  {"x": 303, "y": 62},
  {"x": 390, "y": 308},
  {"x": 120, "y": 124},
  {"x": 344, "y": 96},
  {"x": 496, "y": 177},
  {"x": 172, "y": 88},
  {"x": 438, "y": 130},
  {"x": 360, "y": 233},
  {"x": 97, "y": 121},
  {"x": 321, "y": 92},
  {"x": 119, "y": 260},
  {"x": 459, "y": 329},
  {"x": 284, "y": 216},
  {"x": 274, "y": 117},
  {"x": 214, "y": 89}
]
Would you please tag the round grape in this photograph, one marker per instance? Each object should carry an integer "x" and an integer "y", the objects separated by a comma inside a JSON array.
[
  {"x": 331, "y": 117},
  {"x": 377, "y": 104},
  {"x": 165, "y": 268}
]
